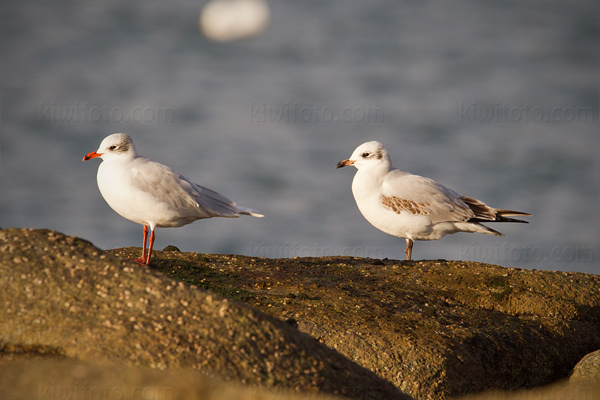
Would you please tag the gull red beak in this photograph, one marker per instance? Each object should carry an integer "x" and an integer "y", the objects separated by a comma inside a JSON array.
[
  {"x": 344, "y": 163},
  {"x": 91, "y": 155}
]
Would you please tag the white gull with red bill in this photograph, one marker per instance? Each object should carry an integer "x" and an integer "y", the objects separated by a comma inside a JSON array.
[
  {"x": 152, "y": 194},
  {"x": 414, "y": 207}
]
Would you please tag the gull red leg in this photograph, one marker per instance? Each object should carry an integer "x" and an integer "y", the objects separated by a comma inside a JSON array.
[
  {"x": 143, "y": 259},
  {"x": 150, "y": 247},
  {"x": 408, "y": 251}
]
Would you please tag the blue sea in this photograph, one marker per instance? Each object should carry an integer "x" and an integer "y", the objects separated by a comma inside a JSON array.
[{"x": 496, "y": 100}]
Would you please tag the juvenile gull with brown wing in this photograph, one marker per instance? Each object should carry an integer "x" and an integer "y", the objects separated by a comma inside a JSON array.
[{"x": 414, "y": 207}]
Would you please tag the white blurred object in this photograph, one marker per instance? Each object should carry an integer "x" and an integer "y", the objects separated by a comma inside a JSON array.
[{"x": 228, "y": 20}]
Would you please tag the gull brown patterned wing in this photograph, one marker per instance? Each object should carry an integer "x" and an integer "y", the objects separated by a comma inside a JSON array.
[{"x": 417, "y": 195}]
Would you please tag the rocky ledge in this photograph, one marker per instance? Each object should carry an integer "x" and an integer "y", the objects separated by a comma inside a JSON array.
[{"x": 351, "y": 327}]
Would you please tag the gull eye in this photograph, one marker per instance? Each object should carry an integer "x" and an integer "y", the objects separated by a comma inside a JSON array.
[
  {"x": 114, "y": 146},
  {"x": 366, "y": 154}
]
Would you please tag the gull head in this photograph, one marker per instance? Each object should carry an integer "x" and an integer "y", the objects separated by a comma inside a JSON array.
[
  {"x": 368, "y": 155},
  {"x": 117, "y": 145}
]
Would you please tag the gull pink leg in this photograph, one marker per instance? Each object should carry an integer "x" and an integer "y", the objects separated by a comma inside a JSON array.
[
  {"x": 143, "y": 259},
  {"x": 150, "y": 247},
  {"x": 408, "y": 251}
]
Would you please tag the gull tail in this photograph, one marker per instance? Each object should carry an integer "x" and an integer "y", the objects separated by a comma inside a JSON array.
[
  {"x": 485, "y": 213},
  {"x": 501, "y": 216}
]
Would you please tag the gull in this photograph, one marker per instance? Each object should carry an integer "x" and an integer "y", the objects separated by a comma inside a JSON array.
[
  {"x": 411, "y": 206},
  {"x": 152, "y": 194},
  {"x": 229, "y": 20}
]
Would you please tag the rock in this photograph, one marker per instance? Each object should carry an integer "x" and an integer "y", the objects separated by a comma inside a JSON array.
[
  {"x": 433, "y": 328},
  {"x": 171, "y": 248},
  {"x": 44, "y": 379},
  {"x": 63, "y": 298},
  {"x": 588, "y": 369},
  {"x": 558, "y": 391}
]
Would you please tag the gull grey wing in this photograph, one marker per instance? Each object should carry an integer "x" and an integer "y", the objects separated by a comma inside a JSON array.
[
  {"x": 417, "y": 195},
  {"x": 215, "y": 203},
  {"x": 178, "y": 192}
]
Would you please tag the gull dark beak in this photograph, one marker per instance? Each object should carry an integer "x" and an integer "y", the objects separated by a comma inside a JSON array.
[
  {"x": 91, "y": 155},
  {"x": 344, "y": 163}
]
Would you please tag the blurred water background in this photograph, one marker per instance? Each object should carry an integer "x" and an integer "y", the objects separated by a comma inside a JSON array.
[{"x": 497, "y": 100}]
